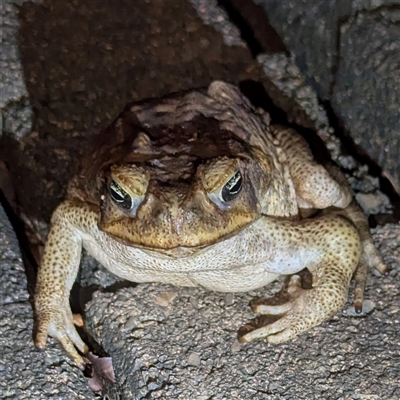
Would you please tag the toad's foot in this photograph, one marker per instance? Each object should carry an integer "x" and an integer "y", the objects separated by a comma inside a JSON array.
[
  {"x": 303, "y": 309},
  {"x": 55, "y": 319}
]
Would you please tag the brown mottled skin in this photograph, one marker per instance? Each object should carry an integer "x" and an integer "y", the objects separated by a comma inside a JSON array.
[{"x": 199, "y": 189}]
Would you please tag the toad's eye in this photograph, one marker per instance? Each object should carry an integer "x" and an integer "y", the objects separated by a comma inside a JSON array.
[
  {"x": 232, "y": 188},
  {"x": 120, "y": 197}
]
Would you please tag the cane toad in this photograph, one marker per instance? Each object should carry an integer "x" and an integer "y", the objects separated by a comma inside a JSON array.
[{"x": 200, "y": 189}]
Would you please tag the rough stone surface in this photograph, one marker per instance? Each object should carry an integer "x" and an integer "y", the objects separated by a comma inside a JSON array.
[
  {"x": 309, "y": 31},
  {"x": 217, "y": 18},
  {"x": 24, "y": 372},
  {"x": 349, "y": 52},
  {"x": 16, "y": 114},
  {"x": 291, "y": 93},
  {"x": 366, "y": 93}
]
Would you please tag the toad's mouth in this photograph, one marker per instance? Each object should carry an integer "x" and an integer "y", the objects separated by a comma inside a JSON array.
[{"x": 175, "y": 247}]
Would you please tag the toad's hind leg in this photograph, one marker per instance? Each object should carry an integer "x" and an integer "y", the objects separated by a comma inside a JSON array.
[
  {"x": 326, "y": 188},
  {"x": 331, "y": 278}
]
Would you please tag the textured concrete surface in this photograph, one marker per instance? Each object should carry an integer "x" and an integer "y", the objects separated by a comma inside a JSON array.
[
  {"x": 349, "y": 52},
  {"x": 16, "y": 112},
  {"x": 369, "y": 106},
  {"x": 81, "y": 64}
]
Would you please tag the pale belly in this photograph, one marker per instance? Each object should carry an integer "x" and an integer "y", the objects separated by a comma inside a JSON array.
[{"x": 244, "y": 262}]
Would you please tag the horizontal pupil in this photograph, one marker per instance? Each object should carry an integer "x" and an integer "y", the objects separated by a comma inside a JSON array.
[{"x": 117, "y": 197}]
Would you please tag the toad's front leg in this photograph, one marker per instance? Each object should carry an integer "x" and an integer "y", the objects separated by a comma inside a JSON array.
[
  {"x": 331, "y": 252},
  {"x": 56, "y": 276}
]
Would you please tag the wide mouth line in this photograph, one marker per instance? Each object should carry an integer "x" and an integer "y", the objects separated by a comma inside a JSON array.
[
  {"x": 164, "y": 248},
  {"x": 180, "y": 248}
]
